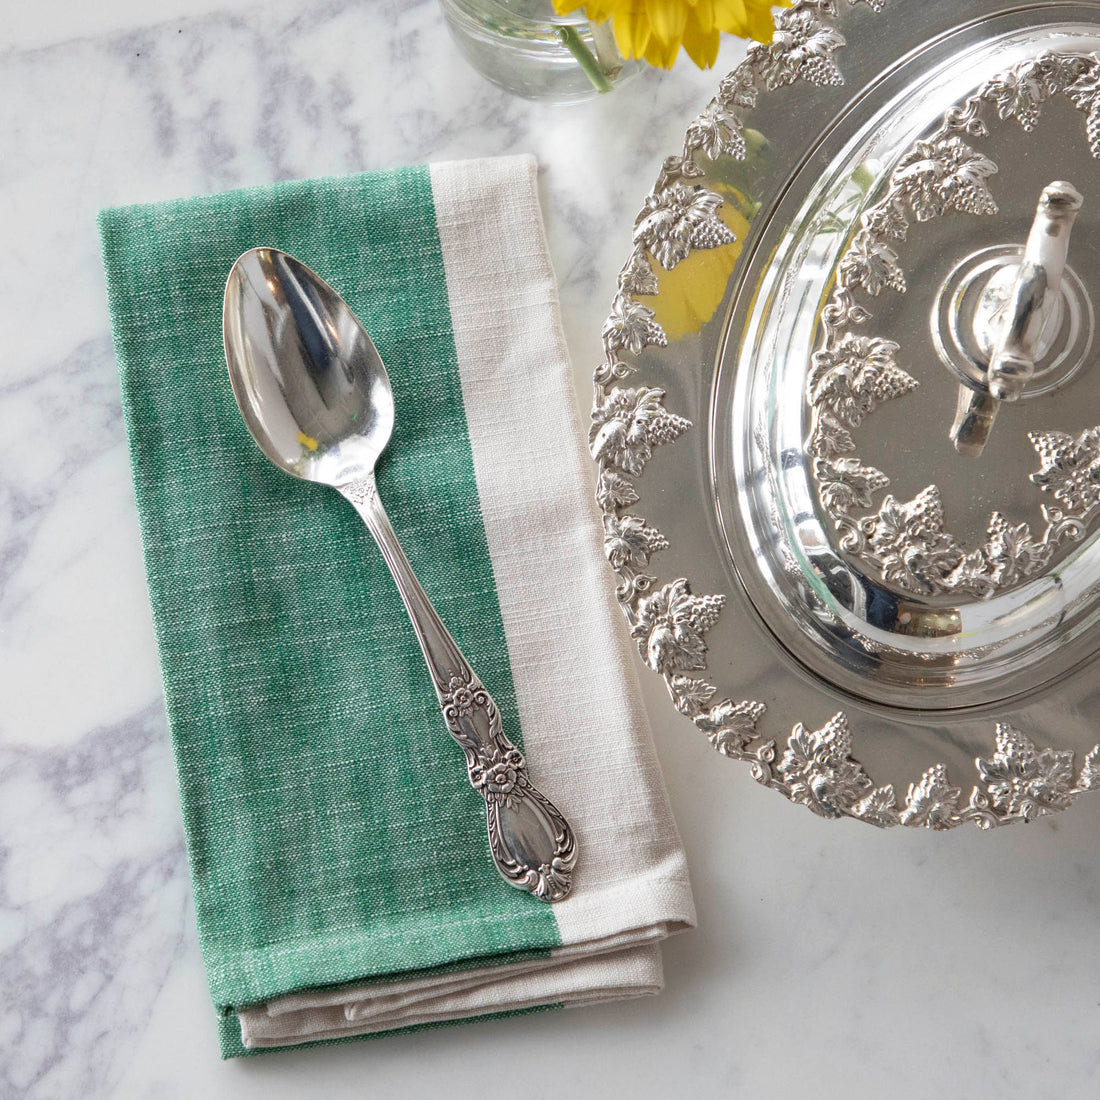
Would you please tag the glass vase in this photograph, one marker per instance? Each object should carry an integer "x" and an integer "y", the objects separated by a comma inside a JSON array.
[{"x": 526, "y": 48}]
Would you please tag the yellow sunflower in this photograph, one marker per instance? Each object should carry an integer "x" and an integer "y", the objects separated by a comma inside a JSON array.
[{"x": 656, "y": 29}]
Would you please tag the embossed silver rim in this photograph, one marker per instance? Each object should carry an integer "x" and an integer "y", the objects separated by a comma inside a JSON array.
[{"x": 1017, "y": 781}]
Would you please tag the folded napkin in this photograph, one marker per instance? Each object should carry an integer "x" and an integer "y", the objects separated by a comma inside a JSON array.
[{"x": 341, "y": 870}]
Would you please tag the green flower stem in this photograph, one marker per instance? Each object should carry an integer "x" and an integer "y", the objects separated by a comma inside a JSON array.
[{"x": 585, "y": 58}]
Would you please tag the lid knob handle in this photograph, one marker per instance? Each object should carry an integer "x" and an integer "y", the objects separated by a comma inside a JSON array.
[{"x": 1031, "y": 302}]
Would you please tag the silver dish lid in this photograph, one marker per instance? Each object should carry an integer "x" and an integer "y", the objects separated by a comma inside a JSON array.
[
  {"x": 908, "y": 422},
  {"x": 902, "y": 400}
]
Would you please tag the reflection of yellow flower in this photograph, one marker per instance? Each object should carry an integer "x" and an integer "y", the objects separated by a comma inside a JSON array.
[
  {"x": 689, "y": 293},
  {"x": 656, "y": 29}
]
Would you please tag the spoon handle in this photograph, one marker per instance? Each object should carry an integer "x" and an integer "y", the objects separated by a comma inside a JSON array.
[{"x": 532, "y": 844}]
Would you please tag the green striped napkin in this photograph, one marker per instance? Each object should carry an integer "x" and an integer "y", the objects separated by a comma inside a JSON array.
[{"x": 341, "y": 872}]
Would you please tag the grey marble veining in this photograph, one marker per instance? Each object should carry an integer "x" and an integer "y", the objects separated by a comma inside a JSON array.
[
  {"x": 94, "y": 897},
  {"x": 831, "y": 960}
]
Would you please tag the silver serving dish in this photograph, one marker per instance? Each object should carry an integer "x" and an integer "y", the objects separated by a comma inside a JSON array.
[{"x": 847, "y": 426}]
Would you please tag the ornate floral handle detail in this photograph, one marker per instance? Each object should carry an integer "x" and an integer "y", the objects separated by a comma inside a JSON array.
[{"x": 531, "y": 842}]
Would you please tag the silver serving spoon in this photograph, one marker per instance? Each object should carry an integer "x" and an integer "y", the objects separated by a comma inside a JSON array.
[{"x": 315, "y": 395}]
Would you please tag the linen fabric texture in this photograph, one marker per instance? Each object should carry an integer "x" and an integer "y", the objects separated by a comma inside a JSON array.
[{"x": 341, "y": 871}]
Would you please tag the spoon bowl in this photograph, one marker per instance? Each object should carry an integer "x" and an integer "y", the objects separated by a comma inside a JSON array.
[{"x": 308, "y": 379}]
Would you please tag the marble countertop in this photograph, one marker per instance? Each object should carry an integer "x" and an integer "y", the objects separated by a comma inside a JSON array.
[{"x": 830, "y": 959}]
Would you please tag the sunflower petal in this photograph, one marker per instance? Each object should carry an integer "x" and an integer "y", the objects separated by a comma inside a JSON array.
[
  {"x": 704, "y": 14},
  {"x": 566, "y": 7},
  {"x": 761, "y": 25},
  {"x": 631, "y": 30},
  {"x": 667, "y": 20},
  {"x": 661, "y": 54},
  {"x": 701, "y": 44},
  {"x": 730, "y": 16},
  {"x": 600, "y": 11}
]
